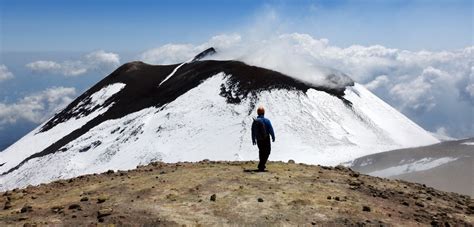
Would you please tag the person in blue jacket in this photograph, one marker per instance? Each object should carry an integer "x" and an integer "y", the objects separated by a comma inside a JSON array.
[{"x": 261, "y": 131}]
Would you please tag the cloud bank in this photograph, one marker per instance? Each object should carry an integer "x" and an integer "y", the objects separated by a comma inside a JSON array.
[
  {"x": 435, "y": 89},
  {"x": 94, "y": 61},
  {"x": 37, "y": 107},
  {"x": 5, "y": 74}
]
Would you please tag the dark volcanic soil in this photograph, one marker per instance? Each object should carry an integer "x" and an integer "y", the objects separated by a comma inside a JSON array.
[{"x": 223, "y": 193}]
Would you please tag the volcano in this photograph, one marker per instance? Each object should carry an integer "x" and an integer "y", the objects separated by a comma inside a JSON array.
[{"x": 203, "y": 109}]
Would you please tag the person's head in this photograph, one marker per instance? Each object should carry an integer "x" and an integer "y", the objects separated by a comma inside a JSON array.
[{"x": 260, "y": 110}]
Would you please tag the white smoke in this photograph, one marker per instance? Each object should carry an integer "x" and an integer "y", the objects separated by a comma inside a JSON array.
[{"x": 285, "y": 53}]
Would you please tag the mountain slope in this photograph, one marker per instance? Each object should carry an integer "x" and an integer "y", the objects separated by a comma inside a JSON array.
[
  {"x": 203, "y": 109},
  {"x": 224, "y": 193},
  {"x": 446, "y": 166}
]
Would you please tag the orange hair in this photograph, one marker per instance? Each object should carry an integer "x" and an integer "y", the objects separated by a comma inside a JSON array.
[{"x": 260, "y": 110}]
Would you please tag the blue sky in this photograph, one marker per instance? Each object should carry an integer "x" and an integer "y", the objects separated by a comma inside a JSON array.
[
  {"x": 63, "y": 47},
  {"x": 126, "y": 25}
]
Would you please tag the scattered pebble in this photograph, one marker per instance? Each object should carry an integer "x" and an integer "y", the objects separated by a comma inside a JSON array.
[
  {"x": 419, "y": 204},
  {"x": 26, "y": 208},
  {"x": 104, "y": 212},
  {"x": 74, "y": 206},
  {"x": 101, "y": 199},
  {"x": 213, "y": 197},
  {"x": 57, "y": 209},
  {"x": 366, "y": 208}
]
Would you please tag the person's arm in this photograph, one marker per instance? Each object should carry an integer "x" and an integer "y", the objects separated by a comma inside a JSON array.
[
  {"x": 270, "y": 130},
  {"x": 253, "y": 133}
]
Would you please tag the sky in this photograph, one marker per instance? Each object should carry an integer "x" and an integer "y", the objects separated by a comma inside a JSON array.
[{"x": 415, "y": 55}]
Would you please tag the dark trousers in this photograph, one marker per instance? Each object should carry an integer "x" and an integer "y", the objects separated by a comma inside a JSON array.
[{"x": 264, "y": 148}]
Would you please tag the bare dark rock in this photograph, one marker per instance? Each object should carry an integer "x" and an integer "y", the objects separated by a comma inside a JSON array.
[
  {"x": 7, "y": 205},
  {"x": 355, "y": 183},
  {"x": 101, "y": 199},
  {"x": 26, "y": 209},
  {"x": 74, "y": 206},
  {"x": 213, "y": 197},
  {"x": 419, "y": 204},
  {"x": 355, "y": 174}
]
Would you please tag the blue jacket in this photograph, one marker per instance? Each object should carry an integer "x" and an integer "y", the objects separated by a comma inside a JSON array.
[{"x": 268, "y": 127}]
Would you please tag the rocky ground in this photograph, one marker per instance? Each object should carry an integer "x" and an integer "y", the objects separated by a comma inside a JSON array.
[{"x": 229, "y": 193}]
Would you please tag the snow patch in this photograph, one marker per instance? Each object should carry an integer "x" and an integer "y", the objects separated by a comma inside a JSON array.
[
  {"x": 174, "y": 71},
  {"x": 420, "y": 165},
  {"x": 367, "y": 162},
  {"x": 105, "y": 93},
  {"x": 468, "y": 143}
]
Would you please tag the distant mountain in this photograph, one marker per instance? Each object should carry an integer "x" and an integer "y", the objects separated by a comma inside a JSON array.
[
  {"x": 447, "y": 166},
  {"x": 203, "y": 109}
]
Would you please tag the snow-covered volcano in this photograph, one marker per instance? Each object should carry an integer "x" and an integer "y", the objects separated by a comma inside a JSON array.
[{"x": 203, "y": 110}]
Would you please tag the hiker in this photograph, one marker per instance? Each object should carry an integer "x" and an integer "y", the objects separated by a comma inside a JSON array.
[{"x": 261, "y": 129}]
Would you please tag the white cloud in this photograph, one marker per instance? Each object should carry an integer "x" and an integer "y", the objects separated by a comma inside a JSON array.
[
  {"x": 4, "y": 73},
  {"x": 419, "y": 93},
  {"x": 468, "y": 85},
  {"x": 94, "y": 61},
  {"x": 470, "y": 90},
  {"x": 43, "y": 66},
  {"x": 221, "y": 41},
  {"x": 415, "y": 94},
  {"x": 101, "y": 57},
  {"x": 37, "y": 107},
  {"x": 379, "y": 81},
  {"x": 169, "y": 54}
]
